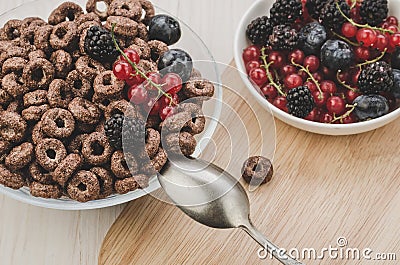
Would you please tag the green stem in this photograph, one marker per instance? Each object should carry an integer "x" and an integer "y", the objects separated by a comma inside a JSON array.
[
  {"x": 307, "y": 71},
  {"x": 372, "y": 61},
  {"x": 347, "y": 114},
  {"x": 345, "y": 39},
  {"x": 270, "y": 78},
  {"x": 360, "y": 25},
  {"x": 343, "y": 83},
  {"x": 138, "y": 71}
]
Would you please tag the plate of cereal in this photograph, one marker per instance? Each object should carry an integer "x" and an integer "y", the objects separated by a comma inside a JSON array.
[{"x": 86, "y": 88}]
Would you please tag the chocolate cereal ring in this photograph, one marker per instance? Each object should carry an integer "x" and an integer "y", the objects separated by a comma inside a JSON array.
[
  {"x": 67, "y": 168},
  {"x": 257, "y": 170},
  {"x": 180, "y": 143},
  {"x": 84, "y": 186},
  {"x": 148, "y": 8},
  {"x": 4, "y": 149},
  {"x": 147, "y": 66},
  {"x": 19, "y": 157},
  {"x": 144, "y": 48},
  {"x": 124, "y": 186},
  {"x": 42, "y": 38},
  {"x": 5, "y": 98},
  {"x": 13, "y": 65},
  {"x": 37, "y": 133},
  {"x": 12, "y": 127},
  {"x": 91, "y": 6},
  {"x": 36, "y": 54},
  {"x": 84, "y": 111},
  {"x": 34, "y": 113},
  {"x": 123, "y": 165},
  {"x": 106, "y": 181},
  {"x": 32, "y": 22},
  {"x": 46, "y": 191},
  {"x": 12, "y": 29},
  {"x": 39, "y": 174},
  {"x": 85, "y": 128},
  {"x": 76, "y": 144},
  {"x": 176, "y": 122},
  {"x": 121, "y": 107},
  {"x": 82, "y": 29},
  {"x": 62, "y": 62},
  {"x": 143, "y": 33},
  {"x": 96, "y": 149},
  {"x": 49, "y": 153},
  {"x": 125, "y": 27},
  {"x": 157, "y": 48},
  {"x": 10, "y": 179},
  {"x": 58, "y": 123},
  {"x": 87, "y": 17},
  {"x": 67, "y": 11},
  {"x": 38, "y": 73},
  {"x": 59, "y": 94},
  {"x": 35, "y": 98},
  {"x": 15, "y": 106},
  {"x": 199, "y": 88},
  {"x": 88, "y": 68},
  {"x": 125, "y": 8},
  {"x": 80, "y": 86},
  {"x": 153, "y": 140},
  {"x": 153, "y": 121},
  {"x": 14, "y": 85},
  {"x": 107, "y": 85},
  {"x": 64, "y": 36},
  {"x": 155, "y": 164}
]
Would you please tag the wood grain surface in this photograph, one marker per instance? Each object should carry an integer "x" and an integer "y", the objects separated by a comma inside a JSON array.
[{"x": 324, "y": 188}]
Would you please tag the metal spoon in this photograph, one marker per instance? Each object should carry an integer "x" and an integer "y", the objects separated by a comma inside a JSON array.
[{"x": 214, "y": 198}]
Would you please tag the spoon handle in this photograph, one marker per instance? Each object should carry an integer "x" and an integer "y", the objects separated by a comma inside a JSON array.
[{"x": 268, "y": 245}]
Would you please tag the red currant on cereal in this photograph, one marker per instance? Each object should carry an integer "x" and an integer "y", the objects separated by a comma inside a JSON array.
[
  {"x": 165, "y": 112},
  {"x": 312, "y": 62},
  {"x": 258, "y": 76},
  {"x": 152, "y": 106},
  {"x": 135, "y": 79},
  {"x": 137, "y": 94},
  {"x": 297, "y": 56},
  {"x": 251, "y": 53},
  {"x": 122, "y": 70},
  {"x": 132, "y": 55},
  {"x": 172, "y": 83},
  {"x": 154, "y": 78},
  {"x": 336, "y": 105},
  {"x": 293, "y": 81},
  {"x": 172, "y": 100}
]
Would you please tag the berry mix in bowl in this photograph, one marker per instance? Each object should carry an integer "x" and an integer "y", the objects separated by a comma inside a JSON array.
[
  {"x": 325, "y": 66},
  {"x": 93, "y": 103}
]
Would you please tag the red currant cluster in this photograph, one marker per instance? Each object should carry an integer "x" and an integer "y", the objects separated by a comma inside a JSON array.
[
  {"x": 156, "y": 95},
  {"x": 276, "y": 72}
]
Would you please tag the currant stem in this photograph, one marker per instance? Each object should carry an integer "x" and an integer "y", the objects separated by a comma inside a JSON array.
[
  {"x": 270, "y": 78},
  {"x": 343, "y": 83},
  {"x": 360, "y": 25},
  {"x": 347, "y": 114},
  {"x": 159, "y": 87},
  {"x": 346, "y": 39},
  {"x": 307, "y": 71},
  {"x": 374, "y": 60}
]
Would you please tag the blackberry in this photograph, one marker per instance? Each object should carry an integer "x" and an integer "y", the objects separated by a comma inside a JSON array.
[
  {"x": 286, "y": 12},
  {"x": 330, "y": 15},
  {"x": 315, "y": 7},
  {"x": 375, "y": 78},
  {"x": 337, "y": 55},
  {"x": 99, "y": 45},
  {"x": 374, "y": 12},
  {"x": 300, "y": 101},
  {"x": 120, "y": 129},
  {"x": 311, "y": 38},
  {"x": 259, "y": 30},
  {"x": 283, "y": 38}
]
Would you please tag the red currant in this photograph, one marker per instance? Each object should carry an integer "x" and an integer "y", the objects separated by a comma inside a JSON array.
[
  {"x": 351, "y": 96},
  {"x": 393, "y": 28},
  {"x": 252, "y": 65},
  {"x": 172, "y": 83},
  {"x": 303, "y": 75},
  {"x": 382, "y": 42},
  {"x": 258, "y": 76},
  {"x": 122, "y": 70},
  {"x": 392, "y": 20},
  {"x": 336, "y": 105},
  {"x": 251, "y": 53},
  {"x": 329, "y": 87},
  {"x": 132, "y": 55},
  {"x": 349, "y": 119},
  {"x": 320, "y": 99},
  {"x": 277, "y": 58},
  {"x": 326, "y": 118},
  {"x": 166, "y": 111},
  {"x": 344, "y": 76},
  {"x": 367, "y": 37},
  {"x": 355, "y": 76},
  {"x": 362, "y": 53},
  {"x": 270, "y": 92},
  {"x": 288, "y": 70},
  {"x": 281, "y": 103},
  {"x": 314, "y": 115},
  {"x": 155, "y": 78},
  {"x": 311, "y": 86},
  {"x": 328, "y": 73},
  {"x": 297, "y": 56},
  {"x": 349, "y": 30},
  {"x": 137, "y": 94},
  {"x": 312, "y": 62},
  {"x": 318, "y": 76},
  {"x": 395, "y": 40},
  {"x": 135, "y": 80},
  {"x": 166, "y": 101},
  {"x": 152, "y": 106},
  {"x": 293, "y": 81}
]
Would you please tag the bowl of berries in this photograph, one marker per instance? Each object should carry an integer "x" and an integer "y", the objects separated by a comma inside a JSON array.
[
  {"x": 84, "y": 94},
  {"x": 327, "y": 67}
]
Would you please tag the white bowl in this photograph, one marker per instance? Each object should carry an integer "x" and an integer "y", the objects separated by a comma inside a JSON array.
[
  {"x": 190, "y": 42},
  {"x": 261, "y": 8}
]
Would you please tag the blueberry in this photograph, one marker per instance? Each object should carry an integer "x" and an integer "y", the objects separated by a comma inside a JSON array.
[
  {"x": 176, "y": 61},
  {"x": 311, "y": 38},
  {"x": 371, "y": 107},
  {"x": 396, "y": 59},
  {"x": 337, "y": 55},
  {"x": 165, "y": 29},
  {"x": 396, "y": 87}
]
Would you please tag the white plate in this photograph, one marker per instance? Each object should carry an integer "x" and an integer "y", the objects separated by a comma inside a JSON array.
[
  {"x": 190, "y": 42},
  {"x": 261, "y": 8}
]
